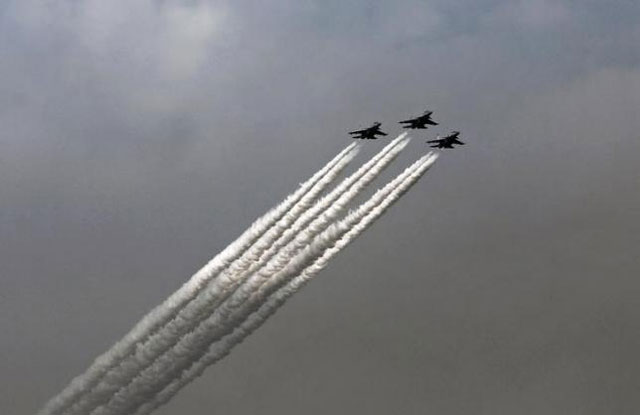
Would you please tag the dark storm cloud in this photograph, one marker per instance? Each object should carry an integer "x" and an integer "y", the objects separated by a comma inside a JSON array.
[{"x": 138, "y": 138}]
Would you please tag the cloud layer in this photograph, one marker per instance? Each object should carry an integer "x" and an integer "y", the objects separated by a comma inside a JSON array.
[{"x": 120, "y": 121}]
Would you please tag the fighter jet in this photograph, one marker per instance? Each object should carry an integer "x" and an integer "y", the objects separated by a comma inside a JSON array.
[
  {"x": 420, "y": 121},
  {"x": 448, "y": 141},
  {"x": 368, "y": 133}
]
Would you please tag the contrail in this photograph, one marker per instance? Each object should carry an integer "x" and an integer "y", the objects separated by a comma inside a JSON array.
[
  {"x": 228, "y": 280},
  {"x": 360, "y": 179},
  {"x": 309, "y": 261},
  {"x": 255, "y": 320},
  {"x": 156, "y": 318}
]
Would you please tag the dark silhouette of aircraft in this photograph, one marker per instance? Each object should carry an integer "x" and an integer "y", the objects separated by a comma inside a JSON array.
[
  {"x": 368, "y": 133},
  {"x": 420, "y": 121},
  {"x": 448, "y": 141}
]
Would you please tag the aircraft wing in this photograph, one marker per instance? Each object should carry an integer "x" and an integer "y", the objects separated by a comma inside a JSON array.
[
  {"x": 408, "y": 121},
  {"x": 456, "y": 141},
  {"x": 435, "y": 141},
  {"x": 358, "y": 132}
]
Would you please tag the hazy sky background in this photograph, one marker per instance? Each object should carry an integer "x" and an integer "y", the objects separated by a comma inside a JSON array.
[{"x": 138, "y": 138}]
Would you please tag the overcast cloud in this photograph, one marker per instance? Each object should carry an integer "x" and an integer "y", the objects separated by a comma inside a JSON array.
[{"x": 135, "y": 133}]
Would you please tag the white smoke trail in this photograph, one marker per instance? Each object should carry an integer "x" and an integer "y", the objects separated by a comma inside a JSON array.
[
  {"x": 300, "y": 199},
  {"x": 192, "y": 314},
  {"x": 273, "y": 303},
  {"x": 196, "y": 343},
  {"x": 100, "y": 390},
  {"x": 341, "y": 195}
]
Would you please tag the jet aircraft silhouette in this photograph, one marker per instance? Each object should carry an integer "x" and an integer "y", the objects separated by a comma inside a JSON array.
[
  {"x": 447, "y": 141},
  {"x": 368, "y": 133},
  {"x": 420, "y": 121}
]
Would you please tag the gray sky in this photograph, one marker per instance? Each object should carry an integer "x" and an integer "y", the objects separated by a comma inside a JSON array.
[{"x": 138, "y": 138}]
